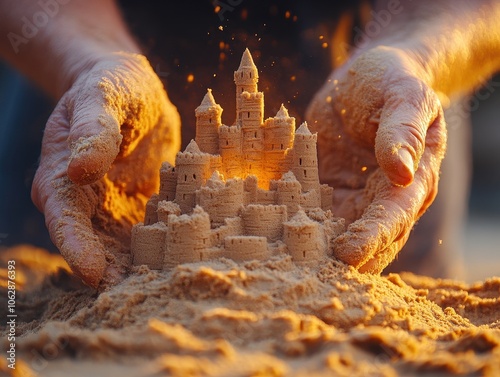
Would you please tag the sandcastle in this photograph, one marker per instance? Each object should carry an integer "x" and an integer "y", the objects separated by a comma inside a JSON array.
[{"x": 246, "y": 191}]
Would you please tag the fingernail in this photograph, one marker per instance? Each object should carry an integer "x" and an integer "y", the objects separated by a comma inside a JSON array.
[{"x": 406, "y": 169}]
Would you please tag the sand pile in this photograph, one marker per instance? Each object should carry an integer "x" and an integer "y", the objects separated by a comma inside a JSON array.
[{"x": 266, "y": 318}]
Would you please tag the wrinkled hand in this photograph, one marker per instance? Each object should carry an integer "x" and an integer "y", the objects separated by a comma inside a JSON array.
[
  {"x": 101, "y": 152},
  {"x": 382, "y": 137}
]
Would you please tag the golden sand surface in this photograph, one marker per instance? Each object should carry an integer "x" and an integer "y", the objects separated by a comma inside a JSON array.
[{"x": 266, "y": 318}]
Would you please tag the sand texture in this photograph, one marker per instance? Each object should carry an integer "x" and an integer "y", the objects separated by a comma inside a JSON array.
[{"x": 266, "y": 318}]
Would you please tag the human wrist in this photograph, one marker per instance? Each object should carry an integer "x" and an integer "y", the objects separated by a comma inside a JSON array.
[
  {"x": 76, "y": 51},
  {"x": 456, "y": 43}
]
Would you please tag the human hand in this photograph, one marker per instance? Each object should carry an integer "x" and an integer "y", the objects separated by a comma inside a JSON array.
[
  {"x": 101, "y": 153},
  {"x": 382, "y": 138}
]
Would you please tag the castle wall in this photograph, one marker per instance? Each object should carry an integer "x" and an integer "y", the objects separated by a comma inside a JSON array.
[
  {"x": 264, "y": 221},
  {"x": 232, "y": 227},
  {"x": 310, "y": 199},
  {"x": 187, "y": 237},
  {"x": 148, "y": 245},
  {"x": 265, "y": 197},
  {"x": 245, "y": 248}
]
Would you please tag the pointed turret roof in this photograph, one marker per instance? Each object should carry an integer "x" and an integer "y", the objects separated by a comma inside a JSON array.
[
  {"x": 299, "y": 219},
  {"x": 282, "y": 112},
  {"x": 289, "y": 177},
  {"x": 207, "y": 103},
  {"x": 208, "y": 100},
  {"x": 216, "y": 180},
  {"x": 247, "y": 60},
  {"x": 192, "y": 147},
  {"x": 303, "y": 130}
]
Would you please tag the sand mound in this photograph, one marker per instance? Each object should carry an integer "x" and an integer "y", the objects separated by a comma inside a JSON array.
[{"x": 265, "y": 318}]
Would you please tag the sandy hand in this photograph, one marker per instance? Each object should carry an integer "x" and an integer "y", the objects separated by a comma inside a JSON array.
[
  {"x": 101, "y": 152},
  {"x": 382, "y": 137}
]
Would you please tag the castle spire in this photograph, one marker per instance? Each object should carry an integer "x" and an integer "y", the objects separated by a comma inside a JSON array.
[
  {"x": 303, "y": 130},
  {"x": 247, "y": 60},
  {"x": 282, "y": 112},
  {"x": 192, "y": 147},
  {"x": 207, "y": 102}
]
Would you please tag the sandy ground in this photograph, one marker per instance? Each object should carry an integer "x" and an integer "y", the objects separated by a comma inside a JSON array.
[{"x": 254, "y": 319}]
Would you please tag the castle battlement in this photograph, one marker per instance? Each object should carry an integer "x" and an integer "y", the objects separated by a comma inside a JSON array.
[{"x": 242, "y": 191}]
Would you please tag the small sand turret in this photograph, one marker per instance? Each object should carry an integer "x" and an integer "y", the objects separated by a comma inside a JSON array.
[{"x": 242, "y": 191}]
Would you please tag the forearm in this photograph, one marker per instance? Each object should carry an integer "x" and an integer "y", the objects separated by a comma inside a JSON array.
[
  {"x": 53, "y": 43},
  {"x": 457, "y": 42}
]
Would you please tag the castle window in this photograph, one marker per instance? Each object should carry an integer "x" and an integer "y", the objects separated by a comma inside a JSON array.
[
  {"x": 304, "y": 254},
  {"x": 183, "y": 196},
  {"x": 293, "y": 197},
  {"x": 209, "y": 120},
  {"x": 252, "y": 145},
  {"x": 255, "y": 134},
  {"x": 300, "y": 161},
  {"x": 250, "y": 74},
  {"x": 307, "y": 146},
  {"x": 185, "y": 178},
  {"x": 194, "y": 176},
  {"x": 242, "y": 74},
  {"x": 227, "y": 142},
  {"x": 248, "y": 114},
  {"x": 242, "y": 88},
  {"x": 281, "y": 146},
  {"x": 305, "y": 173}
]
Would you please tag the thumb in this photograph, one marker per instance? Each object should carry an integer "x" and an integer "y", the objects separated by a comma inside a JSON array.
[
  {"x": 94, "y": 136},
  {"x": 409, "y": 113}
]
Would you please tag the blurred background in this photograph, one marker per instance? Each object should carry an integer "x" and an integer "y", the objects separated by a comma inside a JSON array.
[{"x": 291, "y": 45}]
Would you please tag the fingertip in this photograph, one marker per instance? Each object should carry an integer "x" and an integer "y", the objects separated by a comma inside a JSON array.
[
  {"x": 82, "y": 252},
  {"x": 404, "y": 172},
  {"x": 92, "y": 157},
  {"x": 350, "y": 248}
]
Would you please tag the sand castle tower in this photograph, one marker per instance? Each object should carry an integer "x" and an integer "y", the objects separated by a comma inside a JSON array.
[
  {"x": 168, "y": 182},
  {"x": 279, "y": 133},
  {"x": 188, "y": 236},
  {"x": 230, "y": 150},
  {"x": 221, "y": 200},
  {"x": 250, "y": 117},
  {"x": 289, "y": 193},
  {"x": 208, "y": 121},
  {"x": 304, "y": 239},
  {"x": 192, "y": 170},
  {"x": 305, "y": 158}
]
